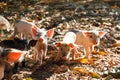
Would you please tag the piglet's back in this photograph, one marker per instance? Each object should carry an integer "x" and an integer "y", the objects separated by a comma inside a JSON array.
[
  {"x": 24, "y": 25},
  {"x": 4, "y": 24}
]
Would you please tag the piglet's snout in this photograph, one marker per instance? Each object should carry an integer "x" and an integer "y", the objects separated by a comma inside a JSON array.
[
  {"x": 41, "y": 39},
  {"x": 95, "y": 42}
]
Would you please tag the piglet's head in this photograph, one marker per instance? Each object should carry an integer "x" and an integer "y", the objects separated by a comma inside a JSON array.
[
  {"x": 64, "y": 48},
  {"x": 44, "y": 35},
  {"x": 94, "y": 36}
]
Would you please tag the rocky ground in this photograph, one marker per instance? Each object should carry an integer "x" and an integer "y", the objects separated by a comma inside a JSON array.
[{"x": 99, "y": 15}]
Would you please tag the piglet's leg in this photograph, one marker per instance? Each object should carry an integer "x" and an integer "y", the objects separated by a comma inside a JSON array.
[
  {"x": 44, "y": 51},
  {"x": 2, "y": 67},
  {"x": 75, "y": 53},
  {"x": 58, "y": 56},
  {"x": 40, "y": 56},
  {"x": 87, "y": 52},
  {"x": 35, "y": 55},
  {"x": 25, "y": 36},
  {"x": 20, "y": 35},
  {"x": 68, "y": 55}
]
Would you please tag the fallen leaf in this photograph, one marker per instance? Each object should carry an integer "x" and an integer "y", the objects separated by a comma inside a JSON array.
[
  {"x": 112, "y": 63},
  {"x": 80, "y": 70},
  {"x": 82, "y": 60},
  {"x": 113, "y": 7},
  {"x": 91, "y": 61},
  {"x": 109, "y": 77},
  {"x": 60, "y": 69},
  {"x": 28, "y": 79},
  {"x": 116, "y": 44},
  {"x": 94, "y": 74},
  {"x": 102, "y": 53},
  {"x": 4, "y": 4},
  {"x": 95, "y": 52}
]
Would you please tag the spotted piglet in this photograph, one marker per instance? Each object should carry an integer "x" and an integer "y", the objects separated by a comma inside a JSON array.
[
  {"x": 40, "y": 49},
  {"x": 64, "y": 51},
  {"x": 26, "y": 29},
  {"x": 11, "y": 56},
  {"x": 86, "y": 39}
]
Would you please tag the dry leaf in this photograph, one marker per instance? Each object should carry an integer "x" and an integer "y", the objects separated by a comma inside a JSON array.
[
  {"x": 109, "y": 77},
  {"x": 112, "y": 63},
  {"x": 95, "y": 52},
  {"x": 80, "y": 70},
  {"x": 94, "y": 74},
  {"x": 28, "y": 79},
  {"x": 60, "y": 69},
  {"x": 3, "y": 4},
  {"x": 83, "y": 60},
  {"x": 116, "y": 44},
  {"x": 91, "y": 61},
  {"x": 113, "y": 7},
  {"x": 30, "y": 20},
  {"x": 10, "y": 38},
  {"x": 102, "y": 53}
]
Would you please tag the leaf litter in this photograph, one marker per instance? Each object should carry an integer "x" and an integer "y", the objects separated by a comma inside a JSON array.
[{"x": 104, "y": 64}]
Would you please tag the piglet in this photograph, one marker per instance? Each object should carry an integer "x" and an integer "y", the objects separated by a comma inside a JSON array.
[
  {"x": 86, "y": 39},
  {"x": 11, "y": 57},
  {"x": 64, "y": 51},
  {"x": 40, "y": 48},
  {"x": 27, "y": 29},
  {"x": 4, "y": 24}
]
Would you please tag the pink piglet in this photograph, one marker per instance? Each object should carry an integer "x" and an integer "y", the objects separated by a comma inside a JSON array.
[{"x": 86, "y": 39}]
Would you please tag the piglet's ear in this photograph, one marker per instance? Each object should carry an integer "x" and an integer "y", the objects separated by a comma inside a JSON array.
[
  {"x": 58, "y": 44},
  {"x": 34, "y": 30},
  {"x": 71, "y": 45},
  {"x": 13, "y": 56},
  {"x": 86, "y": 33},
  {"x": 102, "y": 33},
  {"x": 50, "y": 33}
]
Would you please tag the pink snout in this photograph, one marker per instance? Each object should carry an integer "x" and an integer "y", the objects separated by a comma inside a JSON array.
[
  {"x": 95, "y": 42},
  {"x": 41, "y": 39}
]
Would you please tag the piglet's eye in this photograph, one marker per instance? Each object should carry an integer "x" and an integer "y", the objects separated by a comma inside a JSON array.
[{"x": 90, "y": 36}]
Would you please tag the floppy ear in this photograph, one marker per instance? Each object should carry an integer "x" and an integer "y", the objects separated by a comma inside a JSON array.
[
  {"x": 86, "y": 33},
  {"x": 102, "y": 33},
  {"x": 34, "y": 30},
  {"x": 58, "y": 44},
  {"x": 71, "y": 45},
  {"x": 13, "y": 56},
  {"x": 50, "y": 33}
]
